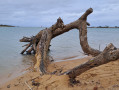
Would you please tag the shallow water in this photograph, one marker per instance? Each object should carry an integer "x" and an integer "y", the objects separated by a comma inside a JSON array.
[{"x": 63, "y": 47}]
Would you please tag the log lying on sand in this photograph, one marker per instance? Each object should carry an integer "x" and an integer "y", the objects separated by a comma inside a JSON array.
[{"x": 110, "y": 53}]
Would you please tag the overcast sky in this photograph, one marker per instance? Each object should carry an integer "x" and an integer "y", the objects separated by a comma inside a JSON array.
[{"x": 37, "y": 13}]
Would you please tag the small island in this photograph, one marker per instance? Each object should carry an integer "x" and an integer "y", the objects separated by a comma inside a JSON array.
[{"x": 6, "y": 25}]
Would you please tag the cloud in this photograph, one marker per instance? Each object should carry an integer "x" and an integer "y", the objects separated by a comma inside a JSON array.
[{"x": 45, "y": 12}]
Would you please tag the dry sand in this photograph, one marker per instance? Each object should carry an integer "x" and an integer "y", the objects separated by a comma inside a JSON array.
[{"x": 104, "y": 77}]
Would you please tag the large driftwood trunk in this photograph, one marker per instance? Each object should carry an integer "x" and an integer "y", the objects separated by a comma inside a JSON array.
[
  {"x": 78, "y": 24},
  {"x": 42, "y": 48},
  {"x": 40, "y": 43}
]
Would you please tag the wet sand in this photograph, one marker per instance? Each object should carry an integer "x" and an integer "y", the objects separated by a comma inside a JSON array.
[{"x": 104, "y": 77}]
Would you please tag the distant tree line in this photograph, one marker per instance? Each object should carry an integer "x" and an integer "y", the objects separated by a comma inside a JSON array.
[
  {"x": 6, "y": 25},
  {"x": 103, "y": 27}
]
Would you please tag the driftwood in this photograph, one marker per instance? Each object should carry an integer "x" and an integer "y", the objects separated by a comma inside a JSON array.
[
  {"x": 55, "y": 30},
  {"x": 110, "y": 53},
  {"x": 84, "y": 42},
  {"x": 43, "y": 46},
  {"x": 65, "y": 28},
  {"x": 40, "y": 43}
]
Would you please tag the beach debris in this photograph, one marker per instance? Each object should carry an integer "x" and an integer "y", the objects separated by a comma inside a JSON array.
[
  {"x": 54, "y": 72},
  {"x": 16, "y": 84},
  {"x": 97, "y": 82},
  {"x": 8, "y": 86},
  {"x": 95, "y": 88},
  {"x": 73, "y": 81},
  {"x": 57, "y": 71},
  {"x": 28, "y": 85},
  {"x": 115, "y": 86},
  {"x": 34, "y": 83}
]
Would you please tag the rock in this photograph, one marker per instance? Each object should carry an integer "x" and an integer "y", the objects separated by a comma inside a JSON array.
[
  {"x": 34, "y": 83},
  {"x": 115, "y": 86},
  {"x": 8, "y": 86},
  {"x": 95, "y": 88}
]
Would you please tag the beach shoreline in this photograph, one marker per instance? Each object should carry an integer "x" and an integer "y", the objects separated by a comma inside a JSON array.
[
  {"x": 102, "y": 77},
  {"x": 12, "y": 75},
  {"x": 19, "y": 72}
]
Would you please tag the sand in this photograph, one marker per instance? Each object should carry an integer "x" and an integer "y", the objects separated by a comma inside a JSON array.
[{"x": 104, "y": 77}]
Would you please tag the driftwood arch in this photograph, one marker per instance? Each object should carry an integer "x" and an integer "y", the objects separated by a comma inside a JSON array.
[{"x": 40, "y": 43}]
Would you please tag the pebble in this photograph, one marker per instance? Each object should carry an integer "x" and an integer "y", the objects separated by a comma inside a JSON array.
[{"x": 8, "y": 86}]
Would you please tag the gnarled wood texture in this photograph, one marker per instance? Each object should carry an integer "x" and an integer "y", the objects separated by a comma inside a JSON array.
[
  {"x": 40, "y": 43},
  {"x": 80, "y": 24},
  {"x": 110, "y": 53},
  {"x": 43, "y": 46}
]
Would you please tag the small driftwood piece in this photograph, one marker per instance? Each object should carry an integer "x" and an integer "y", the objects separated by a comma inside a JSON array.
[{"x": 28, "y": 86}]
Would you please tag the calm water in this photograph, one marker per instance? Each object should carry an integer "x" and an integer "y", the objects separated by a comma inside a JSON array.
[{"x": 64, "y": 46}]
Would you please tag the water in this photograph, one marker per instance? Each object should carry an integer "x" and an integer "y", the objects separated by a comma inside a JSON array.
[
  {"x": 62, "y": 47},
  {"x": 68, "y": 44}
]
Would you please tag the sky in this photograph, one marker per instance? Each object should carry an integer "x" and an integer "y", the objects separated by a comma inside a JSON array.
[{"x": 36, "y": 13}]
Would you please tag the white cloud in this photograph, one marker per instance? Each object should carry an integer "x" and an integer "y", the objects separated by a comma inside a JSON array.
[{"x": 45, "y": 12}]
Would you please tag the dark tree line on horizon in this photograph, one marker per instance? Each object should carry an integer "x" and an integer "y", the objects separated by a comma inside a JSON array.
[
  {"x": 106, "y": 26},
  {"x": 1, "y": 25}
]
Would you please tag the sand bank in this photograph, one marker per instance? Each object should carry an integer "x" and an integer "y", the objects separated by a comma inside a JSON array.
[{"x": 104, "y": 77}]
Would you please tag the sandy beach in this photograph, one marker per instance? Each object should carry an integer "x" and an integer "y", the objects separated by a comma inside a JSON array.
[{"x": 104, "y": 77}]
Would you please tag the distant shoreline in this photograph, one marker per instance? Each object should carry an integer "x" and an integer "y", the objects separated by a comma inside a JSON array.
[
  {"x": 7, "y": 26},
  {"x": 87, "y": 27},
  {"x": 102, "y": 27}
]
